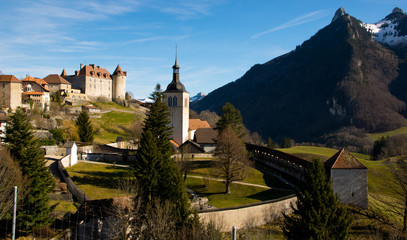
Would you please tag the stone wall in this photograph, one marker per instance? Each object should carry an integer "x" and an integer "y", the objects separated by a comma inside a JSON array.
[
  {"x": 251, "y": 215},
  {"x": 79, "y": 195},
  {"x": 351, "y": 185}
]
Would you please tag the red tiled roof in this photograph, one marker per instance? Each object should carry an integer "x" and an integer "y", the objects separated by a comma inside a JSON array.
[
  {"x": 96, "y": 71},
  {"x": 119, "y": 71},
  {"x": 39, "y": 81},
  {"x": 33, "y": 93},
  {"x": 343, "y": 159},
  {"x": 198, "y": 123},
  {"x": 174, "y": 143},
  {"x": 56, "y": 79},
  {"x": 9, "y": 78}
]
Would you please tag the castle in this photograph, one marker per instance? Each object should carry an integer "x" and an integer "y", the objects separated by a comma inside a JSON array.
[{"x": 94, "y": 81}]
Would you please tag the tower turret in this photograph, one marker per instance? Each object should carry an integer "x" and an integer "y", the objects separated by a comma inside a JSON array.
[{"x": 119, "y": 84}]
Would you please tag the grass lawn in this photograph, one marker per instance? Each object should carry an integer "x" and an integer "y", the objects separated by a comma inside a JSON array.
[
  {"x": 376, "y": 136},
  {"x": 96, "y": 180},
  {"x": 113, "y": 124},
  {"x": 241, "y": 194},
  {"x": 208, "y": 169},
  {"x": 64, "y": 206}
]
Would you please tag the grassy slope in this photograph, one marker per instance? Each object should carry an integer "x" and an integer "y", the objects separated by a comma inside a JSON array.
[
  {"x": 376, "y": 136},
  {"x": 113, "y": 124}
]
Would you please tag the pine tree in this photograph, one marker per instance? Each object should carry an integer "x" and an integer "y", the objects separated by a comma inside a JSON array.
[
  {"x": 231, "y": 116},
  {"x": 318, "y": 214},
  {"x": 155, "y": 170},
  {"x": 85, "y": 128},
  {"x": 35, "y": 209}
]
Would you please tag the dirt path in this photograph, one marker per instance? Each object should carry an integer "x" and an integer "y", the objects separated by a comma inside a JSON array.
[{"x": 241, "y": 183}]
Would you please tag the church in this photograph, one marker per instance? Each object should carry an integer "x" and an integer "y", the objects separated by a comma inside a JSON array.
[{"x": 184, "y": 129}]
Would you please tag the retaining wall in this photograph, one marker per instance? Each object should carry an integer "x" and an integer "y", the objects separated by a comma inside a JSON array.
[
  {"x": 250, "y": 215},
  {"x": 97, "y": 157},
  {"x": 75, "y": 190}
]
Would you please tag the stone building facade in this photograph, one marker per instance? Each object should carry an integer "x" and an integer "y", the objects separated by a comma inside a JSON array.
[
  {"x": 57, "y": 83},
  {"x": 36, "y": 90},
  {"x": 11, "y": 90}
]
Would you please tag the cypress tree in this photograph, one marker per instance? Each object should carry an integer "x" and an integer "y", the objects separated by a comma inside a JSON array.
[
  {"x": 35, "y": 209},
  {"x": 318, "y": 214},
  {"x": 85, "y": 128},
  {"x": 156, "y": 171}
]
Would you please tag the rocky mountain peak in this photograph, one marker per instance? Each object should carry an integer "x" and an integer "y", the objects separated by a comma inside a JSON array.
[
  {"x": 339, "y": 13},
  {"x": 397, "y": 10}
]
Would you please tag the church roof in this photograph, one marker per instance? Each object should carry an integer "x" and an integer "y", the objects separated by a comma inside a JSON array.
[
  {"x": 56, "y": 79},
  {"x": 343, "y": 159},
  {"x": 198, "y": 123},
  {"x": 205, "y": 135},
  {"x": 175, "y": 86},
  {"x": 9, "y": 78},
  {"x": 119, "y": 71}
]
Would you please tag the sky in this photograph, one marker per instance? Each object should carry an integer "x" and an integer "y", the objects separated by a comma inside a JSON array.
[{"x": 218, "y": 40}]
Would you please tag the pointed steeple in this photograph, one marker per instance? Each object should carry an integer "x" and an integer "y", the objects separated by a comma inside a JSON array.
[
  {"x": 63, "y": 74},
  {"x": 175, "y": 85}
]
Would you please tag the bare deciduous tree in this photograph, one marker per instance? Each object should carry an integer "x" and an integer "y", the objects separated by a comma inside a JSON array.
[
  {"x": 10, "y": 176},
  {"x": 211, "y": 117},
  {"x": 184, "y": 161},
  {"x": 395, "y": 201},
  {"x": 231, "y": 156}
]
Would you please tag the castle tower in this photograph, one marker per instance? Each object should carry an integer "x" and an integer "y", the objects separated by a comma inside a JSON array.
[
  {"x": 119, "y": 84},
  {"x": 177, "y": 99}
]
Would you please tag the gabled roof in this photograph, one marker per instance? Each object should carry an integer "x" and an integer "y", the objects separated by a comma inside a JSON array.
[
  {"x": 174, "y": 143},
  {"x": 119, "y": 71},
  {"x": 56, "y": 79},
  {"x": 9, "y": 78},
  {"x": 343, "y": 159},
  {"x": 33, "y": 93},
  {"x": 198, "y": 123},
  {"x": 41, "y": 82},
  {"x": 191, "y": 147},
  {"x": 205, "y": 135}
]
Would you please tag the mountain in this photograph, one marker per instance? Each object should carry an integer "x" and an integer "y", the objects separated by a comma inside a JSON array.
[
  {"x": 339, "y": 77},
  {"x": 197, "y": 97}
]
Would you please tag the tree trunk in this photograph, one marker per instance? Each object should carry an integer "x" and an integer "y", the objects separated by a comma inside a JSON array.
[{"x": 227, "y": 183}]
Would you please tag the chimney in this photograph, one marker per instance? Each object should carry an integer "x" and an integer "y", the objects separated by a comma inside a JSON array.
[
  {"x": 92, "y": 65},
  {"x": 98, "y": 67},
  {"x": 81, "y": 66}
]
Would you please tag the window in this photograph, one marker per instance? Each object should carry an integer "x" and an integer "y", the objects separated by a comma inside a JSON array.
[
  {"x": 169, "y": 101},
  {"x": 174, "y": 101}
]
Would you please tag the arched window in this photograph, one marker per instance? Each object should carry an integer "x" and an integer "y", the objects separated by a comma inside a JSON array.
[
  {"x": 174, "y": 101},
  {"x": 169, "y": 101}
]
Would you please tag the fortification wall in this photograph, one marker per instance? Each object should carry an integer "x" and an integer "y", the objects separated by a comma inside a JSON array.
[
  {"x": 75, "y": 190},
  {"x": 251, "y": 215}
]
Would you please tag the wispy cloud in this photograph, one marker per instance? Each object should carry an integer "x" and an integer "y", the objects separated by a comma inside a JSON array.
[
  {"x": 309, "y": 17},
  {"x": 185, "y": 10}
]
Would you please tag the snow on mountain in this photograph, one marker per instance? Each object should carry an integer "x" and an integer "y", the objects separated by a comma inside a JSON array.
[
  {"x": 386, "y": 31},
  {"x": 197, "y": 97},
  {"x": 146, "y": 100}
]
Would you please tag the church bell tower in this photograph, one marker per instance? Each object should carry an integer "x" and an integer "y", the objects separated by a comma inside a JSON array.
[{"x": 177, "y": 99}]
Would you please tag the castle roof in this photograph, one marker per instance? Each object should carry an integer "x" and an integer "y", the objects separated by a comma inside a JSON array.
[
  {"x": 119, "y": 71},
  {"x": 56, "y": 79},
  {"x": 343, "y": 159},
  {"x": 94, "y": 71},
  {"x": 63, "y": 74},
  {"x": 9, "y": 78}
]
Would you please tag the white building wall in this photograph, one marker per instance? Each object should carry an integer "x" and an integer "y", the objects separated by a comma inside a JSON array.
[{"x": 179, "y": 115}]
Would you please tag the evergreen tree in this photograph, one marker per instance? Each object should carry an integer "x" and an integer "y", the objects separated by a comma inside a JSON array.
[
  {"x": 155, "y": 170},
  {"x": 85, "y": 128},
  {"x": 231, "y": 116},
  {"x": 35, "y": 209},
  {"x": 318, "y": 214}
]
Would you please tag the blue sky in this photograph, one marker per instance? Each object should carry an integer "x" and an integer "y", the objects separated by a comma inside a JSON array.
[{"x": 218, "y": 40}]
